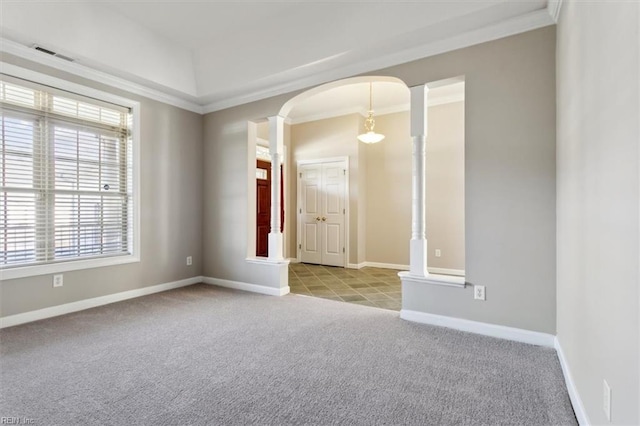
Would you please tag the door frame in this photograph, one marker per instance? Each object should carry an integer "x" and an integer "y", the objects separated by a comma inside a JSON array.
[{"x": 345, "y": 160}]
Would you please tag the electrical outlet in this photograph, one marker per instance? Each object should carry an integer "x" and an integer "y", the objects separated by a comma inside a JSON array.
[
  {"x": 438, "y": 253},
  {"x": 478, "y": 292},
  {"x": 189, "y": 261},
  {"x": 58, "y": 281},
  {"x": 606, "y": 400}
]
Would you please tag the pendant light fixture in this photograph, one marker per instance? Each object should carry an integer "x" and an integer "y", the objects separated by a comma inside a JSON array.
[{"x": 370, "y": 136}]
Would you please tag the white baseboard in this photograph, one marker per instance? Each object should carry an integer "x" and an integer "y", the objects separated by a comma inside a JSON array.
[
  {"x": 356, "y": 265},
  {"x": 386, "y": 266},
  {"x": 293, "y": 260},
  {"x": 81, "y": 305},
  {"x": 441, "y": 271},
  {"x": 493, "y": 330},
  {"x": 254, "y": 288},
  {"x": 576, "y": 401}
]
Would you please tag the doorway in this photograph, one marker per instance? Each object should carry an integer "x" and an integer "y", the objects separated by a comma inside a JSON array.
[
  {"x": 322, "y": 212},
  {"x": 263, "y": 206}
]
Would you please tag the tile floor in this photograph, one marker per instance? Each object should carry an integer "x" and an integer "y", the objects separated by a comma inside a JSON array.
[{"x": 367, "y": 286}]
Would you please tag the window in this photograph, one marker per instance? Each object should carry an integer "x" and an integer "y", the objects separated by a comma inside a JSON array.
[{"x": 67, "y": 178}]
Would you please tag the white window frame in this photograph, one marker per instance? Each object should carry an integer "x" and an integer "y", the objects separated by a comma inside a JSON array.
[{"x": 80, "y": 263}]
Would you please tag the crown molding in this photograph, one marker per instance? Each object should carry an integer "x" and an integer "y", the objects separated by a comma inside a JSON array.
[
  {"x": 287, "y": 81},
  {"x": 553, "y": 7},
  {"x": 527, "y": 22},
  {"x": 75, "y": 68}
]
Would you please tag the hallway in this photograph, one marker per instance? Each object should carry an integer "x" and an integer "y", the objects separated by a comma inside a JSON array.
[{"x": 374, "y": 287}]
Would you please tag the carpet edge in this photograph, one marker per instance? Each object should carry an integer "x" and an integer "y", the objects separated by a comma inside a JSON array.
[{"x": 80, "y": 305}]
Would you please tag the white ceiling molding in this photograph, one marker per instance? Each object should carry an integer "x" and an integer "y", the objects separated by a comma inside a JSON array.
[
  {"x": 517, "y": 25},
  {"x": 75, "y": 68},
  {"x": 293, "y": 79},
  {"x": 554, "y": 6}
]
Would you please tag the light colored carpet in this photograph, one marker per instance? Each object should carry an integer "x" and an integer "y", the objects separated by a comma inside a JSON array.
[{"x": 206, "y": 355}]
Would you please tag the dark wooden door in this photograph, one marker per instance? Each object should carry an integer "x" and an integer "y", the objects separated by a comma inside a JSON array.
[{"x": 263, "y": 207}]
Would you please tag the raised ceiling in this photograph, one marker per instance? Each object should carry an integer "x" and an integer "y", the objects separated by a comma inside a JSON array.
[{"x": 209, "y": 55}]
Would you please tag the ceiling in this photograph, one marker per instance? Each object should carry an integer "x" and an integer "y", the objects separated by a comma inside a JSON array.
[{"x": 209, "y": 55}]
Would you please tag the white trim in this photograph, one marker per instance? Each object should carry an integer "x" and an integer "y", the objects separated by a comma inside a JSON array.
[
  {"x": 486, "y": 329},
  {"x": 576, "y": 401},
  {"x": 277, "y": 86},
  {"x": 81, "y": 305},
  {"x": 323, "y": 160},
  {"x": 85, "y": 263},
  {"x": 345, "y": 161},
  {"x": 266, "y": 261},
  {"x": 356, "y": 265},
  {"x": 58, "y": 83},
  {"x": 446, "y": 271},
  {"x": 72, "y": 265},
  {"x": 432, "y": 279},
  {"x": 17, "y": 49},
  {"x": 293, "y": 260},
  {"x": 253, "y": 288},
  {"x": 553, "y": 7},
  {"x": 433, "y": 271},
  {"x": 385, "y": 265}
]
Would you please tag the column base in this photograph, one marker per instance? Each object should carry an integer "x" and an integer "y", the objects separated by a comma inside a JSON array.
[
  {"x": 418, "y": 257},
  {"x": 275, "y": 247}
]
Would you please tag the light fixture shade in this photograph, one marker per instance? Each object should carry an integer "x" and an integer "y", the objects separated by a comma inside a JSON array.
[{"x": 370, "y": 137}]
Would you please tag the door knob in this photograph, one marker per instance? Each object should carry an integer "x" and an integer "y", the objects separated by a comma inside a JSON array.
[
  {"x": 318, "y": 219},
  {"x": 324, "y": 218}
]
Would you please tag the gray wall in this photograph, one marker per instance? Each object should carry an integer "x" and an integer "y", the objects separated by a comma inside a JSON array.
[
  {"x": 332, "y": 137},
  {"x": 388, "y": 206},
  {"x": 171, "y": 212},
  {"x": 598, "y": 185},
  {"x": 509, "y": 182}
]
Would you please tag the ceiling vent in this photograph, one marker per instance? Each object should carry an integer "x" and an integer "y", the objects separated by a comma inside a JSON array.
[{"x": 52, "y": 53}]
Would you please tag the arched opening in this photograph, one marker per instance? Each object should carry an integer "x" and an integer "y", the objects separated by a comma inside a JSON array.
[{"x": 350, "y": 206}]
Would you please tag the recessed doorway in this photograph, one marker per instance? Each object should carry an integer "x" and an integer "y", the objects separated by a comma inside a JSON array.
[{"x": 322, "y": 212}]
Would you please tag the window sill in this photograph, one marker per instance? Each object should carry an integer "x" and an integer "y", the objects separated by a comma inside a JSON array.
[{"x": 72, "y": 265}]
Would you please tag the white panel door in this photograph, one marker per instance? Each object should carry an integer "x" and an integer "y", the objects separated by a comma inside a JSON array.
[
  {"x": 322, "y": 213},
  {"x": 333, "y": 185},
  {"x": 310, "y": 216}
]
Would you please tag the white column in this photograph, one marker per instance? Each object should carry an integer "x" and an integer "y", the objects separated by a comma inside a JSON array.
[
  {"x": 276, "y": 149},
  {"x": 418, "y": 244}
]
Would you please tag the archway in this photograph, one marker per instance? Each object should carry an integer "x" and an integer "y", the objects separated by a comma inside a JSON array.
[{"x": 418, "y": 125}]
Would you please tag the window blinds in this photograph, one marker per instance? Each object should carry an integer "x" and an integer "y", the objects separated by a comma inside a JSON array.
[{"x": 66, "y": 188}]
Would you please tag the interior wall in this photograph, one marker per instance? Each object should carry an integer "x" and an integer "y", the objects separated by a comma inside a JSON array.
[
  {"x": 262, "y": 130},
  {"x": 510, "y": 193},
  {"x": 598, "y": 203},
  {"x": 333, "y": 137},
  {"x": 171, "y": 211},
  {"x": 388, "y": 204}
]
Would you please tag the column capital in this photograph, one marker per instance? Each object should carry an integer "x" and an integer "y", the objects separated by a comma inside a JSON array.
[
  {"x": 276, "y": 134},
  {"x": 419, "y": 109}
]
